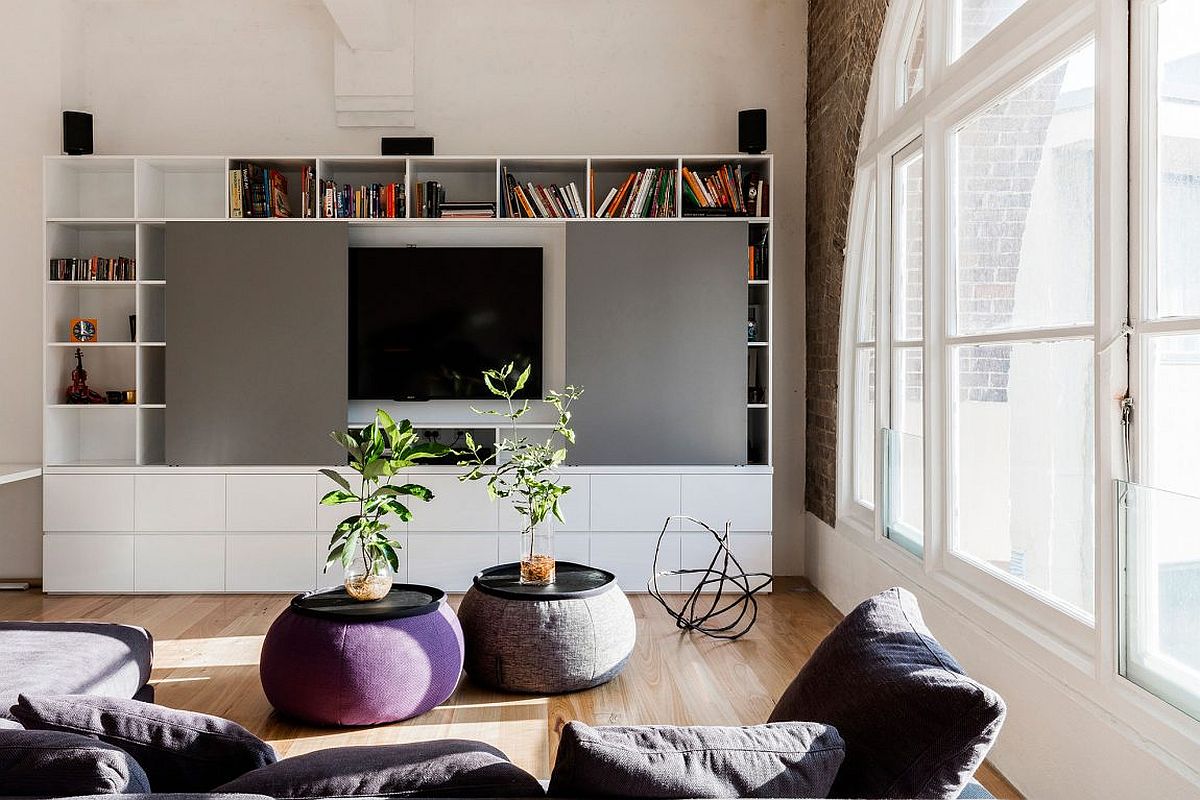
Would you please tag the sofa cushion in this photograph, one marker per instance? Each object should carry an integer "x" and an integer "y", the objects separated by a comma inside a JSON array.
[
  {"x": 181, "y": 751},
  {"x": 72, "y": 658},
  {"x": 55, "y": 764},
  {"x": 914, "y": 724},
  {"x": 791, "y": 759},
  {"x": 443, "y": 768}
]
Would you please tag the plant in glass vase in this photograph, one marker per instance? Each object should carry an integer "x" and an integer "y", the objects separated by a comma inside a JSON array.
[
  {"x": 360, "y": 542},
  {"x": 524, "y": 470}
]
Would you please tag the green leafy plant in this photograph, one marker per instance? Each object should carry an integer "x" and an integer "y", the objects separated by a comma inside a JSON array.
[
  {"x": 518, "y": 466},
  {"x": 377, "y": 453}
]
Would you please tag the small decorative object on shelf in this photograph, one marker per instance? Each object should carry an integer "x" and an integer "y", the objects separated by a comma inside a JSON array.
[
  {"x": 79, "y": 393},
  {"x": 130, "y": 396},
  {"x": 734, "y": 608},
  {"x": 518, "y": 468},
  {"x": 84, "y": 329},
  {"x": 360, "y": 542},
  {"x": 115, "y": 397},
  {"x": 133, "y": 327}
]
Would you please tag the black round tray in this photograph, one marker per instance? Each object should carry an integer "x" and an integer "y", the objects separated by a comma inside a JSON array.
[
  {"x": 404, "y": 600},
  {"x": 571, "y": 582}
]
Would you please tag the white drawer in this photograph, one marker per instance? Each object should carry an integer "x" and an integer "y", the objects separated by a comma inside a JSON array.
[
  {"x": 752, "y": 550},
  {"x": 456, "y": 506},
  {"x": 630, "y": 557},
  {"x": 179, "y": 502},
  {"x": 179, "y": 562},
  {"x": 743, "y": 500},
  {"x": 87, "y": 503},
  {"x": 633, "y": 502},
  {"x": 575, "y": 506},
  {"x": 269, "y": 562},
  {"x": 450, "y": 560},
  {"x": 86, "y": 562},
  {"x": 270, "y": 503}
]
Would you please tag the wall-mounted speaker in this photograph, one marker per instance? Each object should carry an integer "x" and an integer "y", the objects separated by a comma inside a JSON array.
[
  {"x": 752, "y": 130},
  {"x": 406, "y": 146},
  {"x": 77, "y": 133}
]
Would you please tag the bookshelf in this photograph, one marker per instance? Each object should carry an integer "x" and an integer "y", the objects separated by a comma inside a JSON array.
[{"x": 119, "y": 206}]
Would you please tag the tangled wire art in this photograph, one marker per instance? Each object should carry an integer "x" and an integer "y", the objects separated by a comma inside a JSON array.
[{"x": 731, "y": 587}]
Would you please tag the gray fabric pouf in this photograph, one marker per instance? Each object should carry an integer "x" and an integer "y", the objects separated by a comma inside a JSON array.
[{"x": 560, "y": 638}]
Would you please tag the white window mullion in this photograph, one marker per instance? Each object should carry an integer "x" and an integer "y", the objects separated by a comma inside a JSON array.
[{"x": 938, "y": 240}]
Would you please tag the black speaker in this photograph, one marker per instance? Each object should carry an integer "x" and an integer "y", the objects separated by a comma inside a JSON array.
[
  {"x": 752, "y": 130},
  {"x": 77, "y": 133},
  {"x": 406, "y": 146}
]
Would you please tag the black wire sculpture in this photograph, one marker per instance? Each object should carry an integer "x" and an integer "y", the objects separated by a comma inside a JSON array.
[{"x": 692, "y": 617}]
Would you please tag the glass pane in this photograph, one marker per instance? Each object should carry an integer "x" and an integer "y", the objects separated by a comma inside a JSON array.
[
  {"x": 904, "y": 484},
  {"x": 1023, "y": 205},
  {"x": 1178, "y": 278},
  {"x": 908, "y": 248},
  {"x": 908, "y": 402},
  {"x": 866, "y": 291},
  {"x": 1172, "y": 413},
  {"x": 1024, "y": 471},
  {"x": 864, "y": 425},
  {"x": 975, "y": 19},
  {"x": 1160, "y": 610},
  {"x": 914, "y": 61}
]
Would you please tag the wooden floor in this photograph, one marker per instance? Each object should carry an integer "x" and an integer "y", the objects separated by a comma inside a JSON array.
[{"x": 206, "y": 659}]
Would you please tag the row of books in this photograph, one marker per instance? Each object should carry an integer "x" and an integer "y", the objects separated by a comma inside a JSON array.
[
  {"x": 645, "y": 193},
  {"x": 431, "y": 203},
  {"x": 757, "y": 254},
  {"x": 538, "y": 201},
  {"x": 725, "y": 191},
  {"x": 371, "y": 201},
  {"x": 95, "y": 268},
  {"x": 257, "y": 191}
]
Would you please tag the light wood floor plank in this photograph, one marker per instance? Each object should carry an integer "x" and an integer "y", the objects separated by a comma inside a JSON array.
[{"x": 206, "y": 659}]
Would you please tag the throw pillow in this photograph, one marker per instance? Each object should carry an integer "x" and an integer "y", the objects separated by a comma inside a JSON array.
[
  {"x": 54, "y": 764},
  {"x": 797, "y": 759},
  {"x": 444, "y": 768},
  {"x": 914, "y": 724},
  {"x": 181, "y": 751}
]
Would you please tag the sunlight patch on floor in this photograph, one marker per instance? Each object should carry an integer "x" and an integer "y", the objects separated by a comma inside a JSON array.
[{"x": 216, "y": 651}]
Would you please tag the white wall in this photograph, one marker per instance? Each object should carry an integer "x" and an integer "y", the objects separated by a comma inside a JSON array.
[{"x": 522, "y": 76}]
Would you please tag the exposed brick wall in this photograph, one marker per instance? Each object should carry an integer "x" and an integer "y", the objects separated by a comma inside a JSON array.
[{"x": 843, "y": 36}]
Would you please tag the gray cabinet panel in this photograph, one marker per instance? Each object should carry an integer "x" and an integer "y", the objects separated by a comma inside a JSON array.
[
  {"x": 256, "y": 342},
  {"x": 656, "y": 334}
]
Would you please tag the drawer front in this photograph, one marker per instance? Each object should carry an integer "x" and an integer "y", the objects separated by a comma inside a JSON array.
[
  {"x": 450, "y": 560},
  {"x": 80, "y": 503},
  {"x": 74, "y": 562},
  {"x": 179, "y": 503},
  {"x": 456, "y": 506},
  {"x": 752, "y": 550},
  {"x": 634, "y": 502},
  {"x": 271, "y": 503},
  {"x": 742, "y": 500},
  {"x": 630, "y": 556},
  {"x": 179, "y": 563},
  {"x": 575, "y": 506},
  {"x": 269, "y": 562}
]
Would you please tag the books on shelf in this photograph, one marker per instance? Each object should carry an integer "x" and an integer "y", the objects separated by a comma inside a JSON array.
[
  {"x": 259, "y": 192},
  {"x": 369, "y": 201},
  {"x": 726, "y": 191},
  {"x": 95, "y": 268},
  {"x": 757, "y": 253},
  {"x": 539, "y": 201},
  {"x": 645, "y": 193},
  {"x": 431, "y": 203}
]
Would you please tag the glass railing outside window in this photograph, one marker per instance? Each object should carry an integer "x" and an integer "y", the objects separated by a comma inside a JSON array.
[
  {"x": 1160, "y": 595},
  {"x": 904, "y": 489}
]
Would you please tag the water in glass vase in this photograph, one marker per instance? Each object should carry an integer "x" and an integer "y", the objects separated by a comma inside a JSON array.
[
  {"x": 368, "y": 578},
  {"x": 537, "y": 555}
]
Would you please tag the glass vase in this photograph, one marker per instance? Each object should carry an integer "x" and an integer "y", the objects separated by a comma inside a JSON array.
[
  {"x": 537, "y": 554},
  {"x": 368, "y": 578}
]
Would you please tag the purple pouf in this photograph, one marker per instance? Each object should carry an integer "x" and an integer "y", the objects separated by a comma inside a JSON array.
[{"x": 337, "y": 672}]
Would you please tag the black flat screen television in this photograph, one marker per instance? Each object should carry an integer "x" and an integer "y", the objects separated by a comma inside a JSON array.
[{"x": 426, "y": 321}]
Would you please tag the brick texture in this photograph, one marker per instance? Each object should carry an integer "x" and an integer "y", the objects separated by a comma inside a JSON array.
[{"x": 843, "y": 36}]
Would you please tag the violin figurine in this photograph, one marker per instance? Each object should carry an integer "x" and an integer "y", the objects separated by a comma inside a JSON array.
[{"x": 79, "y": 393}]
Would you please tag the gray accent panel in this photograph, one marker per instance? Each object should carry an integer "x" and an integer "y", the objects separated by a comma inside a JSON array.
[
  {"x": 256, "y": 342},
  {"x": 656, "y": 335}
]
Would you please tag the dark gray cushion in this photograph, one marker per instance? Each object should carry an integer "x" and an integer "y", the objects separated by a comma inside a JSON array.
[
  {"x": 444, "y": 768},
  {"x": 181, "y": 751},
  {"x": 797, "y": 759},
  {"x": 72, "y": 658},
  {"x": 54, "y": 764},
  {"x": 914, "y": 724}
]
